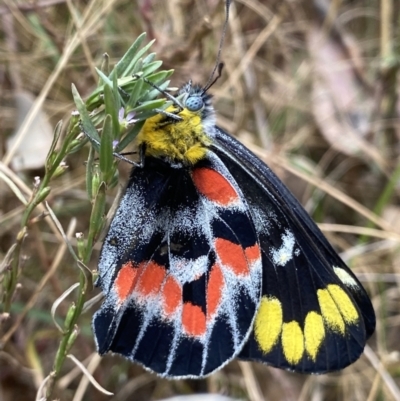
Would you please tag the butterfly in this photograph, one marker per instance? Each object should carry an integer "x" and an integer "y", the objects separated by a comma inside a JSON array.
[{"x": 209, "y": 257}]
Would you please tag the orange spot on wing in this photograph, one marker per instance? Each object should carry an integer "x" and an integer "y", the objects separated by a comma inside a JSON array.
[
  {"x": 214, "y": 290},
  {"x": 214, "y": 186},
  {"x": 172, "y": 295},
  {"x": 193, "y": 320},
  {"x": 232, "y": 256},
  {"x": 252, "y": 253},
  {"x": 125, "y": 281},
  {"x": 151, "y": 278}
]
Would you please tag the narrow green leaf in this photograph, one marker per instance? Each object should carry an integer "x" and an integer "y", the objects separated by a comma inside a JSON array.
[
  {"x": 106, "y": 80},
  {"x": 138, "y": 67},
  {"x": 98, "y": 211},
  {"x": 76, "y": 144},
  {"x": 105, "y": 65},
  {"x": 111, "y": 106},
  {"x": 159, "y": 76},
  {"x": 87, "y": 125},
  {"x": 89, "y": 173},
  {"x": 94, "y": 100},
  {"x": 96, "y": 181},
  {"x": 56, "y": 137},
  {"x": 151, "y": 104},
  {"x": 150, "y": 68},
  {"x": 129, "y": 69},
  {"x": 126, "y": 61},
  {"x": 106, "y": 149},
  {"x": 97, "y": 117},
  {"x": 136, "y": 93},
  {"x": 148, "y": 59},
  {"x": 70, "y": 315},
  {"x": 117, "y": 97}
]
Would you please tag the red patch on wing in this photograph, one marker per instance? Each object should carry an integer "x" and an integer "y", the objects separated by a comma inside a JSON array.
[
  {"x": 172, "y": 295},
  {"x": 125, "y": 281},
  {"x": 232, "y": 256},
  {"x": 214, "y": 290},
  {"x": 214, "y": 186},
  {"x": 253, "y": 253},
  {"x": 151, "y": 278},
  {"x": 193, "y": 320}
]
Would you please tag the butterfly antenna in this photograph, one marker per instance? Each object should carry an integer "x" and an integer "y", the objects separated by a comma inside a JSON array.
[{"x": 219, "y": 65}]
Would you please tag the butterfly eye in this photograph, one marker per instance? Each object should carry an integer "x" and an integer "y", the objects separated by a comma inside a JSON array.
[{"x": 194, "y": 103}]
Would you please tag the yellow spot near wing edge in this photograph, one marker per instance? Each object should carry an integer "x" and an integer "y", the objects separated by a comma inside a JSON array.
[
  {"x": 268, "y": 323},
  {"x": 314, "y": 333},
  {"x": 330, "y": 311},
  {"x": 344, "y": 303},
  {"x": 337, "y": 308},
  {"x": 292, "y": 342}
]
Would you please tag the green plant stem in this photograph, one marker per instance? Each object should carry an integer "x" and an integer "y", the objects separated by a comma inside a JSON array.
[
  {"x": 69, "y": 335},
  {"x": 66, "y": 343},
  {"x": 38, "y": 196}
]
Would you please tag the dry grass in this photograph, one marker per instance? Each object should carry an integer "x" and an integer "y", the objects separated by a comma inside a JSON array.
[{"x": 311, "y": 89}]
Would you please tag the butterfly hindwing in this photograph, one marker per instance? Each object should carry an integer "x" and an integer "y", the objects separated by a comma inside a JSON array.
[
  {"x": 181, "y": 270},
  {"x": 314, "y": 315}
]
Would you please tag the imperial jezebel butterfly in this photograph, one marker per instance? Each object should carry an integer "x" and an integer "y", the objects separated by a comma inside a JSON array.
[{"x": 209, "y": 257}]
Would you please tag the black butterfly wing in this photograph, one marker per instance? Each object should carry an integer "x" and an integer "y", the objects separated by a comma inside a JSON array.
[
  {"x": 314, "y": 315},
  {"x": 180, "y": 268}
]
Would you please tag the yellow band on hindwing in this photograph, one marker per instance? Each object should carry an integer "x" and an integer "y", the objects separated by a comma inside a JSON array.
[
  {"x": 344, "y": 303},
  {"x": 292, "y": 342},
  {"x": 268, "y": 323},
  {"x": 183, "y": 141},
  {"x": 304, "y": 338},
  {"x": 337, "y": 308},
  {"x": 314, "y": 333}
]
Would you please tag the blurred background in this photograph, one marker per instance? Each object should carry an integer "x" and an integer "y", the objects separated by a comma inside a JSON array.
[{"x": 310, "y": 86}]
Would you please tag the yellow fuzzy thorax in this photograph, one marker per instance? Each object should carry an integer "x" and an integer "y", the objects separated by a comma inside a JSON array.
[{"x": 182, "y": 141}]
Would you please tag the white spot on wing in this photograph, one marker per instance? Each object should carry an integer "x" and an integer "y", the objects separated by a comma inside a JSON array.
[
  {"x": 345, "y": 277},
  {"x": 284, "y": 253}
]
